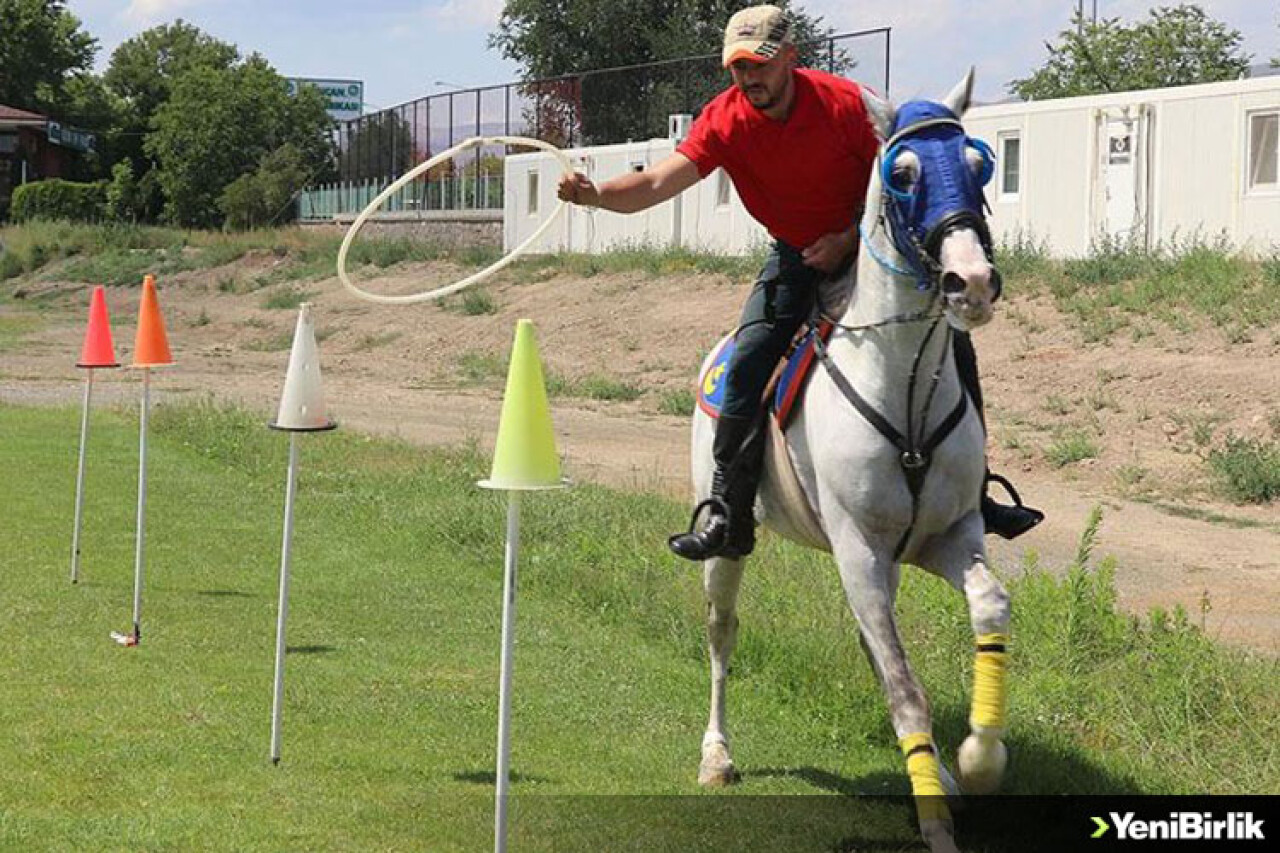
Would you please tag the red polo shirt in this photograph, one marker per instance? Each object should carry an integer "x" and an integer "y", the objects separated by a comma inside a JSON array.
[{"x": 802, "y": 177}]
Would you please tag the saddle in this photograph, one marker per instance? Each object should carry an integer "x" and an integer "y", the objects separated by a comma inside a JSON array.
[
  {"x": 788, "y": 382},
  {"x": 796, "y": 519}
]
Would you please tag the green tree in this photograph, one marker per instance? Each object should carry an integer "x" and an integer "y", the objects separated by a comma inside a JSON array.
[
  {"x": 41, "y": 46},
  {"x": 143, "y": 69},
  {"x": 377, "y": 146},
  {"x": 1174, "y": 46},
  {"x": 89, "y": 105},
  {"x": 141, "y": 76},
  {"x": 576, "y": 36},
  {"x": 219, "y": 124}
]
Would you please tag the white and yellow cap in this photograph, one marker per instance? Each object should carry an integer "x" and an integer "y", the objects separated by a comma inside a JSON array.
[{"x": 756, "y": 34}]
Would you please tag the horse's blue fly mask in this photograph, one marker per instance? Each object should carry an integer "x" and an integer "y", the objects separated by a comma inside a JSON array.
[{"x": 947, "y": 194}]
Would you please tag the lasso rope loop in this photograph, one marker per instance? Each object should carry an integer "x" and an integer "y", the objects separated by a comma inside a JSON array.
[{"x": 473, "y": 142}]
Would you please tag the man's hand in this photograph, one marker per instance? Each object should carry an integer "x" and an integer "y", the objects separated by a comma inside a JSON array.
[
  {"x": 578, "y": 189},
  {"x": 829, "y": 251}
]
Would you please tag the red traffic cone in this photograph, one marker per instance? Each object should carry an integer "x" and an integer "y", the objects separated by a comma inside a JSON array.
[{"x": 98, "y": 350}]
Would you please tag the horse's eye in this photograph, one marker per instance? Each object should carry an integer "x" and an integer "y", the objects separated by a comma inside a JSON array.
[
  {"x": 975, "y": 160},
  {"x": 906, "y": 172}
]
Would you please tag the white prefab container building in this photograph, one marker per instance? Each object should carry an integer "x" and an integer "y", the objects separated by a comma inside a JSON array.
[
  {"x": 1148, "y": 166},
  {"x": 707, "y": 217}
]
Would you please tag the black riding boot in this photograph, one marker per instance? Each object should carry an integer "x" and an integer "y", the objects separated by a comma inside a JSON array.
[
  {"x": 729, "y": 530},
  {"x": 1000, "y": 519}
]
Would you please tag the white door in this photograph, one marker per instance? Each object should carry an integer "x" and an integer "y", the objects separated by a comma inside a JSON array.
[{"x": 1120, "y": 177}]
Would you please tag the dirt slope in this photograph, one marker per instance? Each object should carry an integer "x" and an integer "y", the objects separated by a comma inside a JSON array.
[{"x": 1150, "y": 409}]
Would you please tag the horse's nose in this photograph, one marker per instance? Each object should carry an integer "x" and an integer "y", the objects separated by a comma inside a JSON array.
[
  {"x": 971, "y": 280},
  {"x": 952, "y": 283}
]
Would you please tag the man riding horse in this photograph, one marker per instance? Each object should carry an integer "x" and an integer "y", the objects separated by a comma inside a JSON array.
[{"x": 799, "y": 147}]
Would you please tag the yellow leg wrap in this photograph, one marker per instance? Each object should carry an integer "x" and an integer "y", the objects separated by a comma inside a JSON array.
[
  {"x": 926, "y": 784},
  {"x": 989, "y": 686}
]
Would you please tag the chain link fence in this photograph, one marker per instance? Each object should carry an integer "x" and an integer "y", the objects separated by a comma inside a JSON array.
[{"x": 599, "y": 107}]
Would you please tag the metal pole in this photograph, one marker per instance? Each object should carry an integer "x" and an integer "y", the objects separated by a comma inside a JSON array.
[
  {"x": 282, "y": 616},
  {"x": 142, "y": 506},
  {"x": 84, "y": 439},
  {"x": 475, "y": 195},
  {"x": 888, "y": 52},
  {"x": 504, "y": 691}
]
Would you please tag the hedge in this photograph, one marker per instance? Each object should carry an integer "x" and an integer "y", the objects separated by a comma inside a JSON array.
[{"x": 59, "y": 199}]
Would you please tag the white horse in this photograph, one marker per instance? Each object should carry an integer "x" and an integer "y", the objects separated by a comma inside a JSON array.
[{"x": 855, "y": 477}]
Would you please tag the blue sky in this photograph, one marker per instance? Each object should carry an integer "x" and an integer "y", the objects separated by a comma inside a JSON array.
[{"x": 402, "y": 48}]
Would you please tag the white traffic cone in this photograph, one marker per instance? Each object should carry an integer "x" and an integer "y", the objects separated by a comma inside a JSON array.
[{"x": 302, "y": 406}]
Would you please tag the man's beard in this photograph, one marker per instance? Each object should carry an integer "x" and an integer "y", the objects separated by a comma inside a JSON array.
[{"x": 760, "y": 96}]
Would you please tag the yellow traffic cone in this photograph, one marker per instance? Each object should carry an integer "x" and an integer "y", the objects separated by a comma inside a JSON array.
[{"x": 525, "y": 457}]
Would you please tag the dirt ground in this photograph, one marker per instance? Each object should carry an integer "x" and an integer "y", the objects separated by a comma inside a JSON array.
[{"x": 1151, "y": 408}]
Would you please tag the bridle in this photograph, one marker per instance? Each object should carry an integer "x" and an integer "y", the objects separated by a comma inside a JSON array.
[
  {"x": 916, "y": 220},
  {"x": 917, "y": 230}
]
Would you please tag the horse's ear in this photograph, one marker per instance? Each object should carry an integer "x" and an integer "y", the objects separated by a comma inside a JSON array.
[
  {"x": 958, "y": 99},
  {"x": 880, "y": 113}
]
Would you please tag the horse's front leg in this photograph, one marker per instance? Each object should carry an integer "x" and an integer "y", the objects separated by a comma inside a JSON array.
[
  {"x": 721, "y": 579},
  {"x": 960, "y": 558},
  {"x": 870, "y": 583}
]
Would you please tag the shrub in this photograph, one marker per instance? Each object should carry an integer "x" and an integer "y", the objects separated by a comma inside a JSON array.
[
  {"x": 1020, "y": 255},
  {"x": 286, "y": 297},
  {"x": 123, "y": 198},
  {"x": 1249, "y": 470},
  {"x": 477, "y": 302},
  {"x": 59, "y": 199},
  {"x": 1071, "y": 446},
  {"x": 677, "y": 401},
  {"x": 243, "y": 203},
  {"x": 10, "y": 265},
  {"x": 265, "y": 197}
]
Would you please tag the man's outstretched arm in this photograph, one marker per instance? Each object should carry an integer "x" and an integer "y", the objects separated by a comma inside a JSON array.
[{"x": 633, "y": 191}]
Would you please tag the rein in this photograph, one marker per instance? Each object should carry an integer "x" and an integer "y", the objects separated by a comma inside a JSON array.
[
  {"x": 916, "y": 446},
  {"x": 915, "y": 449}
]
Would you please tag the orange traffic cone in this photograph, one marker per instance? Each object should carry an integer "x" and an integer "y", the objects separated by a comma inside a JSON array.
[
  {"x": 98, "y": 350},
  {"x": 151, "y": 346}
]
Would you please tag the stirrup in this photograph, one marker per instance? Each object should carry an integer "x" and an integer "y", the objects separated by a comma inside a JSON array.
[
  {"x": 1009, "y": 522},
  {"x": 692, "y": 544}
]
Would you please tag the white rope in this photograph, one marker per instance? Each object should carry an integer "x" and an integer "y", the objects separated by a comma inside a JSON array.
[{"x": 439, "y": 292}]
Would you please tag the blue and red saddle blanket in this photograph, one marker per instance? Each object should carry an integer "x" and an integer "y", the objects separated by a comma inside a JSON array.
[{"x": 787, "y": 385}]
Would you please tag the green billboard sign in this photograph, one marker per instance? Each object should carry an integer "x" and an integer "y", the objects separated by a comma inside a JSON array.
[{"x": 345, "y": 97}]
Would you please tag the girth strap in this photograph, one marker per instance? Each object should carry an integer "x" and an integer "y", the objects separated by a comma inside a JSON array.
[{"x": 915, "y": 459}]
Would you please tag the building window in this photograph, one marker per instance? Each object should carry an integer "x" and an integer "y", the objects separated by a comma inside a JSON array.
[
  {"x": 533, "y": 194},
  {"x": 1264, "y": 152},
  {"x": 1010, "y": 163},
  {"x": 722, "y": 189}
]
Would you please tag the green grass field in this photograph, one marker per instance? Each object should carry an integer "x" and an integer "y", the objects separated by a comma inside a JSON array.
[{"x": 391, "y": 698}]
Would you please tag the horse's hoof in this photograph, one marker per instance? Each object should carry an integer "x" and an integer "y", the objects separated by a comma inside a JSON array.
[
  {"x": 716, "y": 769},
  {"x": 937, "y": 836},
  {"x": 717, "y": 777},
  {"x": 982, "y": 762}
]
